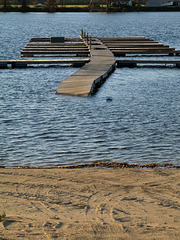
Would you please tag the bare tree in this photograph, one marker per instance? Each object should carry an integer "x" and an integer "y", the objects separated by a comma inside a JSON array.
[
  {"x": 5, "y": 4},
  {"x": 108, "y": 5},
  {"x": 24, "y": 5}
]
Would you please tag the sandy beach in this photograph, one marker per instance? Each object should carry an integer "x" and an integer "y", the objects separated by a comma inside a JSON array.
[{"x": 90, "y": 203}]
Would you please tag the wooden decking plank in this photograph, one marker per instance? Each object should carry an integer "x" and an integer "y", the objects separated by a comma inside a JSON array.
[
  {"x": 53, "y": 49},
  {"x": 54, "y": 52},
  {"x": 141, "y": 48},
  {"x": 151, "y": 61},
  {"x": 130, "y": 42},
  {"x": 133, "y": 38},
  {"x": 135, "y": 45},
  {"x": 48, "y": 39},
  {"x": 25, "y": 63},
  {"x": 143, "y": 51}
]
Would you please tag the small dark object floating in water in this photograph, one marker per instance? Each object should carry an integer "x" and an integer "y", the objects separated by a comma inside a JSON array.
[{"x": 109, "y": 99}]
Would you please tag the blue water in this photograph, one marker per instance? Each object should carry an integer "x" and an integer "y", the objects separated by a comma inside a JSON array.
[{"x": 39, "y": 128}]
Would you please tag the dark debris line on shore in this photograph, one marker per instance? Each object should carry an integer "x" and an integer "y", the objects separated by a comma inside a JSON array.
[{"x": 106, "y": 165}]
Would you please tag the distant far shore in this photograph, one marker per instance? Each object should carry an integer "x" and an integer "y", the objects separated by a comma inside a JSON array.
[{"x": 85, "y": 8}]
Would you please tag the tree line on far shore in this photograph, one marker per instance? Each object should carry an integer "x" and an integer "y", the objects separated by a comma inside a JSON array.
[
  {"x": 50, "y": 5},
  {"x": 73, "y": 5}
]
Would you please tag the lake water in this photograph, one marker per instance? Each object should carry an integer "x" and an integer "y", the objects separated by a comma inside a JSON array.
[{"x": 39, "y": 128}]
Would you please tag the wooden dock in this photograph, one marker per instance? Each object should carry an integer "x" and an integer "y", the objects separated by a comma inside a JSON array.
[
  {"x": 99, "y": 66},
  {"x": 89, "y": 78},
  {"x": 119, "y": 46}
]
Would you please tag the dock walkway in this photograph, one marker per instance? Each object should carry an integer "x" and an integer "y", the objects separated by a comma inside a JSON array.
[{"x": 87, "y": 79}]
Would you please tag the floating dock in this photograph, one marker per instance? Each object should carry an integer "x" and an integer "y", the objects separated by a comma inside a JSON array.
[
  {"x": 55, "y": 46},
  {"x": 77, "y": 62},
  {"x": 101, "y": 62},
  {"x": 135, "y": 62},
  {"x": 122, "y": 46},
  {"x": 119, "y": 46}
]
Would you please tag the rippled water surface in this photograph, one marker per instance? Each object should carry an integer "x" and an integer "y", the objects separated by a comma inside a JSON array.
[{"x": 40, "y": 128}]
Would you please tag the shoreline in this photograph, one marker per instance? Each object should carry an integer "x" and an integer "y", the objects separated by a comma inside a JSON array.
[
  {"x": 88, "y": 9},
  {"x": 101, "y": 164},
  {"x": 90, "y": 203}
]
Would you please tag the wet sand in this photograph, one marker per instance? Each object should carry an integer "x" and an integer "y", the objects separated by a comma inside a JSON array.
[{"x": 90, "y": 203}]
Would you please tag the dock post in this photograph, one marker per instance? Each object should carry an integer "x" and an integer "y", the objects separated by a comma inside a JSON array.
[
  {"x": 87, "y": 38},
  {"x": 81, "y": 33},
  {"x": 27, "y": 54},
  {"x": 90, "y": 42},
  {"x": 84, "y": 34}
]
